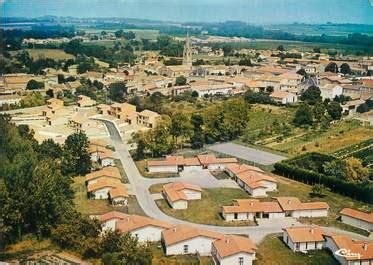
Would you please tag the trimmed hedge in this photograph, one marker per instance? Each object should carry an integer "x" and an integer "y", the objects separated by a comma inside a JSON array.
[{"x": 359, "y": 191}]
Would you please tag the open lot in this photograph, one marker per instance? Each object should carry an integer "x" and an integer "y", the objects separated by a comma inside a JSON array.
[
  {"x": 246, "y": 153},
  {"x": 208, "y": 209},
  {"x": 272, "y": 251},
  {"x": 56, "y": 54}
]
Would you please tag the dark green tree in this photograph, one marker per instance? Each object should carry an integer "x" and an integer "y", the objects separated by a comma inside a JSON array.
[
  {"x": 117, "y": 91},
  {"x": 345, "y": 69},
  {"x": 76, "y": 159},
  {"x": 303, "y": 115},
  {"x": 335, "y": 110},
  {"x": 332, "y": 67},
  {"x": 311, "y": 95}
]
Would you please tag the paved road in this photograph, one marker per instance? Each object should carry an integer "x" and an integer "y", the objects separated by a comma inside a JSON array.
[
  {"x": 246, "y": 153},
  {"x": 140, "y": 186}
]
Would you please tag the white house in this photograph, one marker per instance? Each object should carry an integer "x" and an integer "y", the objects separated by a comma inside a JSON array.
[
  {"x": 290, "y": 81},
  {"x": 173, "y": 164},
  {"x": 357, "y": 218},
  {"x": 233, "y": 250},
  {"x": 178, "y": 194},
  {"x": 109, "y": 220},
  {"x": 256, "y": 183},
  {"x": 330, "y": 91},
  {"x": 145, "y": 229},
  {"x": 106, "y": 172},
  {"x": 182, "y": 239},
  {"x": 100, "y": 189},
  {"x": 252, "y": 209},
  {"x": 106, "y": 158},
  {"x": 213, "y": 89},
  {"x": 284, "y": 97},
  {"x": 350, "y": 106},
  {"x": 119, "y": 195},
  {"x": 349, "y": 252},
  {"x": 293, "y": 207},
  {"x": 211, "y": 162},
  {"x": 233, "y": 169},
  {"x": 303, "y": 238}
]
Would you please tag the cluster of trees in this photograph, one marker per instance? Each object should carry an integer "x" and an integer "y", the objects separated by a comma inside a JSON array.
[
  {"x": 128, "y": 35},
  {"x": 366, "y": 106},
  {"x": 223, "y": 121},
  {"x": 166, "y": 44},
  {"x": 315, "y": 168},
  {"x": 33, "y": 84},
  {"x": 259, "y": 97},
  {"x": 314, "y": 111},
  {"x": 333, "y": 68}
]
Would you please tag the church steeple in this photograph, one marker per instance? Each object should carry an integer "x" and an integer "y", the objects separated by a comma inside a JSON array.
[{"x": 187, "y": 53}]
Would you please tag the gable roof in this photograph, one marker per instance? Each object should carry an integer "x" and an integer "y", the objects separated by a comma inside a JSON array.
[
  {"x": 211, "y": 159},
  {"x": 112, "y": 215},
  {"x": 239, "y": 168},
  {"x": 293, "y": 204},
  {"x": 175, "y": 190},
  {"x": 103, "y": 183},
  {"x": 254, "y": 179},
  {"x": 118, "y": 191},
  {"x": 180, "y": 233},
  {"x": 110, "y": 172},
  {"x": 253, "y": 206},
  {"x": 133, "y": 222},
  {"x": 305, "y": 234},
  {"x": 367, "y": 217},
  {"x": 230, "y": 245}
]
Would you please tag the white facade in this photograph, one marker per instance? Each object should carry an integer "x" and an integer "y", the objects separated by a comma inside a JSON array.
[
  {"x": 256, "y": 192},
  {"x": 192, "y": 168},
  {"x": 101, "y": 193},
  {"x": 250, "y": 216},
  {"x": 301, "y": 246},
  {"x": 309, "y": 213},
  {"x": 163, "y": 169},
  {"x": 192, "y": 194},
  {"x": 107, "y": 162},
  {"x": 239, "y": 258},
  {"x": 148, "y": 233},
  {"x": 199, "y": 244},
  {"x": 357, "y": 222},
  {"x": 218, "y": 166},
  {"x": 109, "y": 224},
  {"x": 330, "y": 91},
  {"x": 179, "y": 205}
]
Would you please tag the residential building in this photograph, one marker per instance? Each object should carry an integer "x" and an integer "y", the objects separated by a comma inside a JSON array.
[
  {"x": 177, "y": 194},
  {"x": 256, "y": 183},
  {"x": 303, "y": 239},
  {"x": 233, "y": 250},
  {"x": 233, "y": 169},
  {"x": 211, "y": 162},
  {"x": 293, "y": 207},
  {"x": 252, "y": 209},
  {"x": 10, "y": 100},
  {"x": 54, "y": 103},
  {"x": 183, "y": 239},
  {"x": 213, "y": 89},
  {"x": 330, "y": 91},
  {"x": 348, "y": 251},
  {"x": 173, "y": 164},
  {"x": 100, "y": 189},
  {"x": 118, "y": 196},
  {"x": 106, "y": 172},
  {"x": 290, "y": 81},
  {"x": 284, "y": 97},
  {"x": 148, "y": 118},
  {"x": 109, "y": 220},
  {"x": 84, "y": 101},
  {"x": 357, "y": 219},
  {"x": 350, "y": 107}
]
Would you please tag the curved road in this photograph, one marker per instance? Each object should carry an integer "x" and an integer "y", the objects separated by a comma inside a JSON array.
[{"x": 140, "y": 187}]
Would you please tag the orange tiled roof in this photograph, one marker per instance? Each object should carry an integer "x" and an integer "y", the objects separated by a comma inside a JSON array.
[
  {"x": 103, "y": 183},
  {"x": 293, "y": 203},
  {"x": 174, "y": 191},
  {"x": 133, "y": 222},
  {"x": 230, "y": 245},
  {"x": 111, "y": 172},
  {"x": 112, "y": 215},
  {"x": 253, "y": 206},
  {"x": 118, "y": 191},
  {"x": 305, "y": 234},
  {"x": 254, "y": 179},
  {"x": 364, "y": 249},
  {"x": 368, "y": 217},
  {"x": 211, "y": 159},
  {"x": 239, "y": 168},
  {"x": 180, "y": 233}
]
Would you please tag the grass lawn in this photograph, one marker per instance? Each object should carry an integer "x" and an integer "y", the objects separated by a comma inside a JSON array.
[
  {"x": 160, "y": 258},
  {"x": 141, "y": 165},
  {"x": 272, "y": 251},
  {"x": 208, "y": 209},
  {"x": 338, "y": 136},
  {"x": 287, "y": 187},
  {"x": 156, "y": 188},
  {"x": 49, "y": 53}
]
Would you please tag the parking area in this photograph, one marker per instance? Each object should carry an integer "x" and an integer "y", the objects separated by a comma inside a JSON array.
[
  {"x": 246, "y": 153},
  {"x": 205, "y": 179}
]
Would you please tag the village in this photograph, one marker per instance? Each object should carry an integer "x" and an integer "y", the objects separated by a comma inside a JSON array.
[{"x": 171, "y": 185}]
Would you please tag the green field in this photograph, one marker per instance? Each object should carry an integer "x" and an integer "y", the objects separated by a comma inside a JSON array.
[
  {"x": 56, "y": 54},
  {"x": 272, "y": 251}
]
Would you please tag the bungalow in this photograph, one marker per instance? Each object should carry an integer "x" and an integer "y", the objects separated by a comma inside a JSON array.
[
  {"x": 84, "y": 101},
  {"x": 256, "y": 183},
  {"x": 233, "y": 250},
  {"x": 173, "y": 164},
  {"x": 284, "y": 97},
  {"x": 233, "y": 169},
  {"x": 293, "y": 207},
  {"x": 119, "y": 195},
  {"x": 252, "y": 209},
  {"x": 182, "y": 239},
  {"x": 106, "y": 172},
  {"x": 349, "y": 252},
  {"x": 357, "y": 218},
  {"x": 106, "y": 158},
  {"x": 330, "y": 91},
  {"x": 145, "y": 229},
  {"x": 109, "y": 220},
  {"x": 210, "y": 162},
  {"x": 100, "y": 189},
  {"x": 303, "y": 238},
  {"x": 178, "y": 194}
]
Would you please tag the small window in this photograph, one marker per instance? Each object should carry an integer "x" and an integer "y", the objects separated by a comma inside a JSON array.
[
  {"x": 240, "y": 261},
  {"x": 186, "y": 249},
  {"x": 297, "y": 246}
]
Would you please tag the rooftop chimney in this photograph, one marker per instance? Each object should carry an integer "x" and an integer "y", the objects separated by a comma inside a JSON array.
[
  {"x": 289, "y": 201},
  {"x": 227, "y": 240},
  {"x": 365, "y": 246},
  {"x": 174, "y": 229},
  {"x": 312, "y": 230}
]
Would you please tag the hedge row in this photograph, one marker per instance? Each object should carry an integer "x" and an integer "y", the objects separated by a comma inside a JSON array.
[{"x": 358, "y": 191}]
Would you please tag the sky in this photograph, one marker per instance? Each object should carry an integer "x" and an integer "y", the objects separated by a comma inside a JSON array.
[{"x": 251, "y": 11}]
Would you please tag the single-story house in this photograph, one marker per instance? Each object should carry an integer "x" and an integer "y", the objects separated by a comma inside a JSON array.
[
  {"x": 84, "y": 101},
  {"x": 173, "y": 164},
  {"x": 100, "y": 189},
  {"x": 252, "y": 209},
  {"x": 350, "y": 106},
  {"x": 145, "y": 229},
  {"x": 293, "y": 207},
  {"x": 233, "y": 169},
  {"x": 211, "y": 162},
  {"x": 183, "y": 239},
  {"x": 357, "y": 218},
  {"x": 233, "y": 250},
  {"x": 119, "y": 195},
  {"x": 106, "y": 172},
  {"x": 106, "y": 158},
  {"x": 303, "y": 238},
  {"x": 178, "y": 194},
  {"x": 349, "y": 252},
  {"x": 284, "y": 97},
  {"x": 256, "y": 183},
  {"x": 109, "y": 220}
]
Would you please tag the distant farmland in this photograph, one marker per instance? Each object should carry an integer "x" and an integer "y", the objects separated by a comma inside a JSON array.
[{"x": 49, "y": 53}]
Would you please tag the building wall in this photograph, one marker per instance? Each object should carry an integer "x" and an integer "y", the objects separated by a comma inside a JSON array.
[
  {"x": 270, "y": 186},
  {"x": 107, "y": 162},
  {"x": 234, "y": 259},
  {"x": 101, "y": 194},
  {"x": 156, "y": 169},
  {"x": 181, "y": 204},
  {"x": 110, "y": 224},
  {"x": 198, "y": 244},
  {"x": 216, "y": 166},
  {"x": 257, "y": 192},
  {"x": 148, "y": 233},
  {"x": 357, "y": 223},
  {"x": 192, "y": 195},
  {"x": 240, "y": 216},
  {"x": 329, "y": 244},
  {"x": 303, "y": 246},
  {"x": 310, "y": 213},
  {"x": 192, "y": 168}
]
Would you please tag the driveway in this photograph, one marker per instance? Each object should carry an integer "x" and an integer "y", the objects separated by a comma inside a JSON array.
[
  {"x": 140, "y": 187},
  {"x": 246, "y": 153}
]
